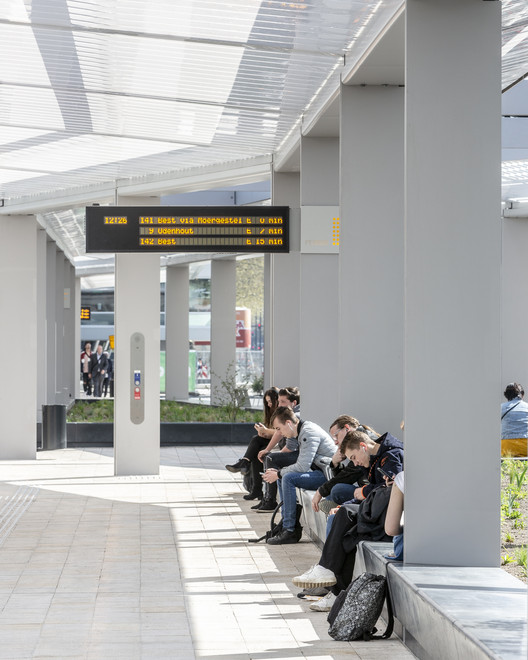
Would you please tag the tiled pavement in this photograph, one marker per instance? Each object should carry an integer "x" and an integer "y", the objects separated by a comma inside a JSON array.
[{"x": 95, "y": 566}]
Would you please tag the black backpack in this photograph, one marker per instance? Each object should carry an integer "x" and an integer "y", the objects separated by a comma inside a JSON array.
[
  {"x": 358, "y": 607},
  {"x": 276, "y": 527}
]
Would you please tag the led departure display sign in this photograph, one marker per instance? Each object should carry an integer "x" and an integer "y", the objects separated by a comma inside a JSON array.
[{"x": 187, "y": 229}]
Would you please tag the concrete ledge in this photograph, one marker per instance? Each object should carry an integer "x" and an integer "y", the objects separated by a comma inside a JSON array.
[
  {"x": 314, "y": 523},
  {"x": 92, "y": 434},
  {"x": 453, "y": 612},
  {"x": 442, "y": 612}
]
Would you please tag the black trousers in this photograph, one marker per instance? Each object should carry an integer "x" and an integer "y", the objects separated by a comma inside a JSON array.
[
  {"x": 334, "y": 557},
  {"x": 255, "y": 445},
  {"x": 87, "y": 384}
]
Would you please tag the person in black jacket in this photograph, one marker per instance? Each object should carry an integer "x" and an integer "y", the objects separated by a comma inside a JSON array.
[
  {"x": 346, "y": 476},
  {"x": 354, "y": 522},
  {"x": 99, "y": 367}
]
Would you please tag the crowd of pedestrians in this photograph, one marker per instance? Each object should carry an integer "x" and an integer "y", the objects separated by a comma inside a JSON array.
[{"x": 96, "y": 371}]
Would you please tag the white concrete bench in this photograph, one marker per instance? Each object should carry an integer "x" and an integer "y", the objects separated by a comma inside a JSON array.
[
  {"x": 446, "y": 612},
  {"x": 314, "y": 524},
  {"x": 442, "y": 612}
]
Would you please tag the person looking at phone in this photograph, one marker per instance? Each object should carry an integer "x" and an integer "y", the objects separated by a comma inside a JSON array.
[
  {"x": 288, "y": 454},
  {"x": 265, "y": 431},
  {"x": 336, "y": 565},
  {"x": 386, "y": 453},
  {"x": 346, "y": 476},
  {"x": 316, "y": 449}
]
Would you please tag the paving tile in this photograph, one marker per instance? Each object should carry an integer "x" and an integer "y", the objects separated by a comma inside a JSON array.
[{"x": 152, "y": 567}]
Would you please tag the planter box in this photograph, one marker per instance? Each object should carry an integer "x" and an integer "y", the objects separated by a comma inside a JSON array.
[{"x": 93, "y": 434}]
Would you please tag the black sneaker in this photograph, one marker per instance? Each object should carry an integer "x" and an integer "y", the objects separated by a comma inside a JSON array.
[
  {"x": 256, "y": 506},
  {"x": 267, "y": 506},
  {"x": 242, "y": 465},
  {"x": 284, "y": 537}
]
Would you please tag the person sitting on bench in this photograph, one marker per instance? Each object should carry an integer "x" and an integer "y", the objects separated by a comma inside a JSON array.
[{"x": 316, "y": 448}]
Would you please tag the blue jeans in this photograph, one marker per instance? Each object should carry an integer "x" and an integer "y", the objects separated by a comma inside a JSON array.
[
  {"x": 341, "y": 493},
  {"x": 287, "y": 485}
]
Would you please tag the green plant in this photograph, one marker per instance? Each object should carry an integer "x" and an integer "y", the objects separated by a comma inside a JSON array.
[
  {"x": 509, "y": 538},
  {"x": 515, "y": 471},
  {"x": 507, "y": 559},
  {"x": 97, "y": 410},
  {"x": 258, "y": 384},
  {"x": 519, "y": 524},
  {"x": 170, "y": 411},
  {"x": 521, "y": 556},
  {"x": 233, "y": 396}
]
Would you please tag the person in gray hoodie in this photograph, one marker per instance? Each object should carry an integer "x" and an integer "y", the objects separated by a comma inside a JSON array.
[{"x": 316, "y": 449}]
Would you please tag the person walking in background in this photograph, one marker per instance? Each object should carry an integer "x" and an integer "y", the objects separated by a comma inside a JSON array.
[
  {"x": 108, "y": 377},
  {"x": 86, "y": 368},
  {"x": 99, "y": 368},
  {"x": 514, "y": 422}
]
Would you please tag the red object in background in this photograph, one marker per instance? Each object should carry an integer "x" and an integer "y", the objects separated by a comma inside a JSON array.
[{"x": 243, "y": 327}]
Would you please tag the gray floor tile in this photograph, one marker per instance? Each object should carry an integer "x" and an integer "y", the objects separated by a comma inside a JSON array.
[{"x": 122, "y": 567}]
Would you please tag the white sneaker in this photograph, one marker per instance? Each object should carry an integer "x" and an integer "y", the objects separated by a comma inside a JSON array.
[
  {"x": 325, "y": 604},
  {"x": 316, "y": 576}
]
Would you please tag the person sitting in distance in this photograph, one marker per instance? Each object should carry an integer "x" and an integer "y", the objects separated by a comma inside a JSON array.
[{"x": 514, "y": 422}]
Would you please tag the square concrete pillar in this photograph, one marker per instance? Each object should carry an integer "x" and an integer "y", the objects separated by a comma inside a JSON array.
[
  {"x": 223, "y": 325},
  {"x": 18, "y": 337},
  {"x": 137, "y": 323},
  {"x": 452, "y": 283},
  {"x": 177, "y": 333},
  {"x": 282, "y": 292},
  {"x": 371, "y": 310}
]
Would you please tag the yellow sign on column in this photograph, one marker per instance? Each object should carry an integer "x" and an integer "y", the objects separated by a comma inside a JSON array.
[{"x": 111, "y": 340}]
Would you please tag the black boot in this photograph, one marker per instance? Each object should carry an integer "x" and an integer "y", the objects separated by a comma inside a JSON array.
[
  {"x": 267, "y": 506},
  {"x": 256, "y": 481},
  {"x": 242, "y": 466},
  {"x": 253, "y": 496},
  {"x": 284, "y": 537}
]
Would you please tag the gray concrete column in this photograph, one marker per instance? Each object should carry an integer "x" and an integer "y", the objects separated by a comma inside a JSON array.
[
  {"x": 514, "y": 313},
  {"x": 71, "y": 353},
  {"x": 51, "y": 323},
  {"x": 137, "y": 312},
  {"x": 370, "y": 356},
  {"x": 77, "y": 335},
  {"x": 319, "y": 300},
  {"x": 223, "y": 325},
  {"x": 60, "y": 387},
  {"x": 282, "y": 292},
  {"x": 42, "y": 324},
  {"x": 18, "y": 337},
  {"x": 452, "y": 283},
  {"x": 177, "y": 333}
]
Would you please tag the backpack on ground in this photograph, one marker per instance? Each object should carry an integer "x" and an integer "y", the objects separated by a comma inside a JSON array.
[
  {"x": 276, "y": 527},
  {"x": 357, "y": 608}
]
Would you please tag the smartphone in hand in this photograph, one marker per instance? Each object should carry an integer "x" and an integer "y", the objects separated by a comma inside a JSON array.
[{"x": 389, "y": 476}]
